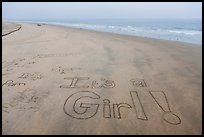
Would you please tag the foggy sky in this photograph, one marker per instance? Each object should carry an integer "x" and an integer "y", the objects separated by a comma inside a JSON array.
[{"x": 94, "y": 10}]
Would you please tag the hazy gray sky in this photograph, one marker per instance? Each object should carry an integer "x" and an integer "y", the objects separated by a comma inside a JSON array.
[{"x": 84, "y": 10}]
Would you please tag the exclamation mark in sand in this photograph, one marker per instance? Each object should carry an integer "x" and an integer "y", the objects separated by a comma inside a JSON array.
[
  {"x": 161, "y": 100},
  {"x": 138, "y": 105}
]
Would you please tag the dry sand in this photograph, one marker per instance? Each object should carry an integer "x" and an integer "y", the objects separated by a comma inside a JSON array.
[
  {"x": 10, "y": 27},
  {"x": 59, "y": 80}
]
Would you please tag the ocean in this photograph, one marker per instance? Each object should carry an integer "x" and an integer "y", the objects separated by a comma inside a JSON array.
[{"x": 183, "y": 30}]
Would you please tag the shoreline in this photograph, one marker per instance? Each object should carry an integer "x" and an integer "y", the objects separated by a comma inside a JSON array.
[
  {"x": 126, "y": 35},
  {"x": 131, "y": 35},
  {"x": 145, "y": 37},
  {"x": 63, "y": 80}
]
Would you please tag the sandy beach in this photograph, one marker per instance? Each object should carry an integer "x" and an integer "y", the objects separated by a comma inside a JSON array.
[
  {"x": 9, "y": 27},
  {"x": 61, "y": 80}
]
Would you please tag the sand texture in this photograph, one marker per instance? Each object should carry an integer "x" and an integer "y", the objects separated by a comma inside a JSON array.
[
  {"x": 58, "y": 80},
  {"x": 8, "y": 28}
]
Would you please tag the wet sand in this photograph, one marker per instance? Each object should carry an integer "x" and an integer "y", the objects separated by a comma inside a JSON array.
[{"x": 60, "y": 80}]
